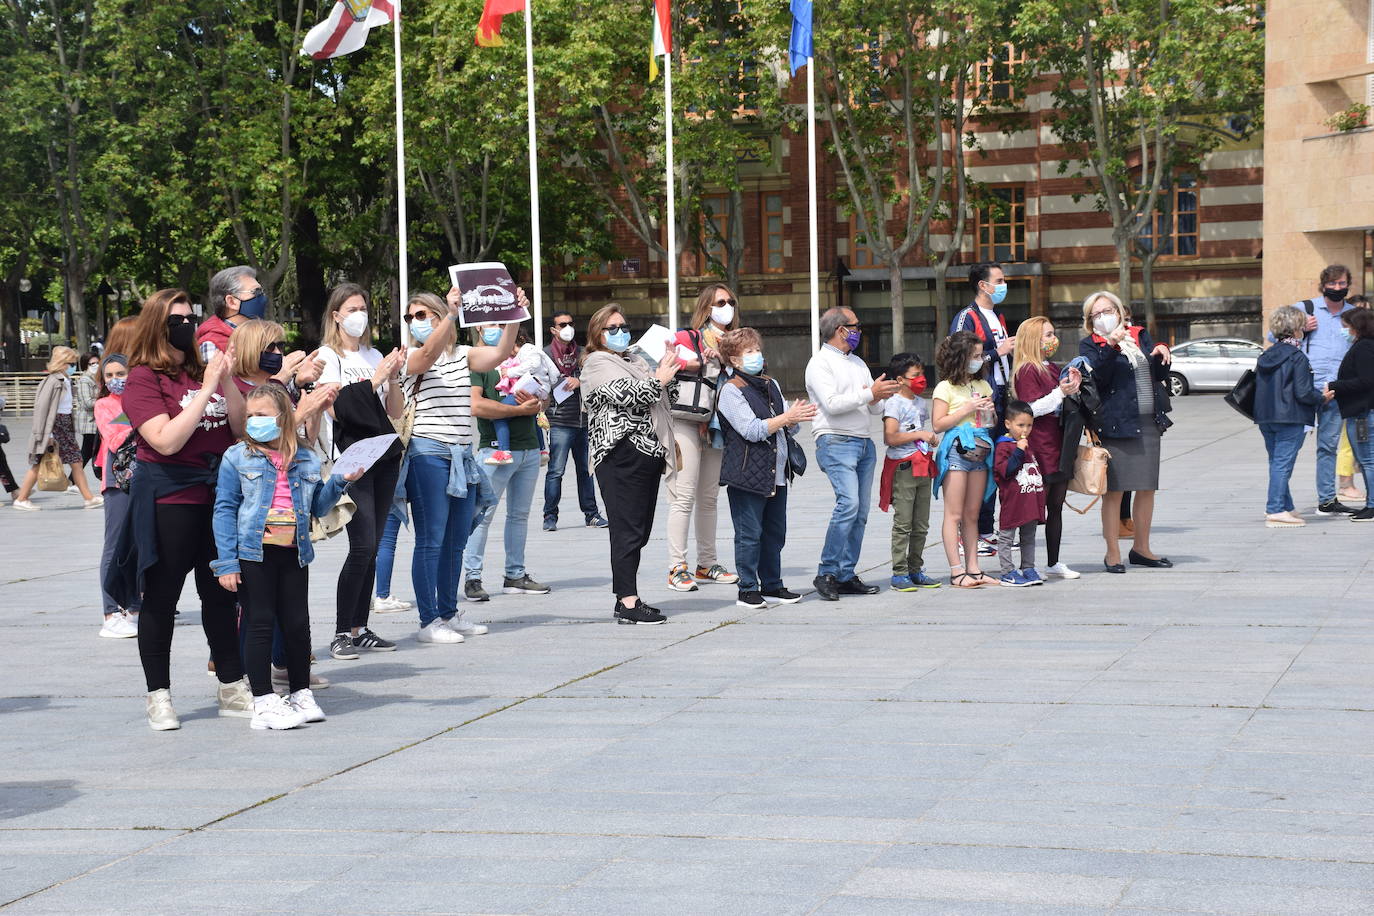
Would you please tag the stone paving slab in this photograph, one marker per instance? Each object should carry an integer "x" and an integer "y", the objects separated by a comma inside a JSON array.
[{"x": 1186, "y": 740}]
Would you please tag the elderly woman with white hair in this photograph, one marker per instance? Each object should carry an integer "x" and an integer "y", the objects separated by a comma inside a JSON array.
[{"x": 1129, "y": 371}]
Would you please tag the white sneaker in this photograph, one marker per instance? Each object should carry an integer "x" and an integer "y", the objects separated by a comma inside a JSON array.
[
  {"x": 73, "y": 488},
  {"x": 386, "y": 604},
  {"x": 161, "y": 716},
  {"x": 1062, "y": 571},
  {"x": 25, "y": 505},
  {"x": 438, "y": 631},
  {"x": 236, "y": 700},
  {"x": 117, "y": 626},
  {"x": 304, "y": 701},
  {"x": 271, "y": 711},
  {"x": 95, "y": 502},
  {"x": 464, "y": 627}
]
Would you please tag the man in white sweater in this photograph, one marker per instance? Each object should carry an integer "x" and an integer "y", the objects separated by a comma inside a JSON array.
[{"x": 846, "y": 395}]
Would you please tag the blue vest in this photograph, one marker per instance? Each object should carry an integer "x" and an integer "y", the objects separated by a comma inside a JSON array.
[{"x": 751, "y": 466}]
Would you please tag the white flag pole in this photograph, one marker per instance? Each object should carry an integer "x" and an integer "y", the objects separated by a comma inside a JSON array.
[
  {"x": 811, "y": 189},
  {"x": 669, "y": 173},
  {"x": 534, "y": 178},
  {"x": 402, "y": 262}
]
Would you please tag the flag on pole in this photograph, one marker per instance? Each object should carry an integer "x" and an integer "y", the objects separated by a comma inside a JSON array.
[
  {"x": 345, "y": 31},
  {"x": 663, "y": 35},
  {"x": 489, "y": 26},
  {"x": 800, "y": 47}
]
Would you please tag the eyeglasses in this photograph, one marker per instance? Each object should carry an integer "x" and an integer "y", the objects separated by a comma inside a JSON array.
[
  {"x": 729, "y": 302},
  {"x": 174, "y": 320},
  {"x": 612, "y": 328},
  {"x": 562, "y": 324},
  {"x": 278, "y": 345},
  {"x": 856, "y": 326},
  {"x": 418, "y": 315},
  {"x": 1102, "y": 312},
  {"x": 252, "y": 294}
]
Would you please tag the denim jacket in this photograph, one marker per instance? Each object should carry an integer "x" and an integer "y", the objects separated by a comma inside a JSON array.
[{"x": 247, "y": 480}]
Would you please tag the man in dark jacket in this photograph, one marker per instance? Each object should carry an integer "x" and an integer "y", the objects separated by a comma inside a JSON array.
[{"x": 1285, "y": 403}]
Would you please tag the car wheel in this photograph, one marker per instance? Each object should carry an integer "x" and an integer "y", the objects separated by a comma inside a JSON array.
[{"x": 1178, "y": 385}]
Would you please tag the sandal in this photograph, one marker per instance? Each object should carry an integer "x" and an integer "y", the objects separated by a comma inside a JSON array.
[
  {"x": 962, "y": 580},
  {"x": 983, "y": 578}
]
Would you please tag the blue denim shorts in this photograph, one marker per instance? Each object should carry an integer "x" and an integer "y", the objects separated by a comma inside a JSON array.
[{"x": 958, "y": 462}]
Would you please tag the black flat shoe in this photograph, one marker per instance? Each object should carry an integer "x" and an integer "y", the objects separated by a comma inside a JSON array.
[
  {"x": 1142, "y": 560},
  {"x": 857, "y": 586},
  {"x": 827, "y": 588},
  {"x": 1113, "y": 567}
]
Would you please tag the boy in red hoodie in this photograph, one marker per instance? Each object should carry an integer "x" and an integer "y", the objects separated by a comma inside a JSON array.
[{"x": 1020, "y": 496}]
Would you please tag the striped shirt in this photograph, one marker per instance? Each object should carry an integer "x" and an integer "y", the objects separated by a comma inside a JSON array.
[{"x": 443, "y": 403}]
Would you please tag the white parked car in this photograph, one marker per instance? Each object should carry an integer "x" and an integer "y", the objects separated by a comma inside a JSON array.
[{"x": 1211, "y": 364}]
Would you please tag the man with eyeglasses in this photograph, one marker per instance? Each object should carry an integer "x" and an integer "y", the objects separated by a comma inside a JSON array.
[
  {"x": 847, "y": 397},
  {"x": 234, "y": 293},
  {"x": 568, "y": 429}
]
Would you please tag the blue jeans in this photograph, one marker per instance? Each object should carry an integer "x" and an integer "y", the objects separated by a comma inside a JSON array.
[
  {"x": 1364, "y": 453},
  {"x": 760, "y": 532},
  {"x": 1282, "y": 441},
  {"x": 1328, "y": 439},
  {"x": 386, "y": 553},
  {"x": 562, "y": 440},
  {"x": 516, "y": 480},
  {"x": 442, "y": 524},
  {"x": 848, "y": 462}
]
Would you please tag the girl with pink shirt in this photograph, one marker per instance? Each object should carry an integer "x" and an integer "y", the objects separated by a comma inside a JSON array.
[{"x": 113, "y": 428}]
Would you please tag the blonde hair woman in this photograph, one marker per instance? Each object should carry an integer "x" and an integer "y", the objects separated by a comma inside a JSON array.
[{"x": 53, "y": 428}]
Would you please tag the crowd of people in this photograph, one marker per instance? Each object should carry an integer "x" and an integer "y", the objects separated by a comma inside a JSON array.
[{"x": 213, "y": 445}]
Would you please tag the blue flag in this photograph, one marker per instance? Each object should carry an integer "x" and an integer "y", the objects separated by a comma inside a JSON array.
[{"x": 800, "y": 47}]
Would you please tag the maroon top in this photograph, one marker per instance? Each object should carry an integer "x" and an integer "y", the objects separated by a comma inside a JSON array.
[
  {"x": 148, "y": 394},
  {"x": 1020, "y": 488},
  {"x": 214, "y": 330},
  {"x": 1047, "y": 434}
]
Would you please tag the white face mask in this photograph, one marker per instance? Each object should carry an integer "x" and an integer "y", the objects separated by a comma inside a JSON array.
[
  {"x": 1105, "y": 324},
  {"x": 722, "y": 314},
  {"x": 975, "y": 365},
  {"x": 354, "y": 324},
  {"x": 566, "y": 333}
]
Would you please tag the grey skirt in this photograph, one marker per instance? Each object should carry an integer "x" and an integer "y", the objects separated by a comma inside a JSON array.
[{"x": 1134, "y": 464}]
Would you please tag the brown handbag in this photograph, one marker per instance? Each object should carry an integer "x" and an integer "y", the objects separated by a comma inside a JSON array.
[{"x": 1089, "y": 472}]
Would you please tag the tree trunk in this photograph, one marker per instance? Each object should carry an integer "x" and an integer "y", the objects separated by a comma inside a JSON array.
[
  {"x": 76, "y": 307},
  {"x": 1123, "y": 271},
  {"x": 1147, "y": 284},
  {"x": 941, "y": 301},
  {"x": 310, "y": 286},
  {"x": 897, "y": 298}
]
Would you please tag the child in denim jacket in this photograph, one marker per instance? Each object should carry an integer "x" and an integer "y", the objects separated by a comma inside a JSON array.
[{"x": 269, "y": 489}]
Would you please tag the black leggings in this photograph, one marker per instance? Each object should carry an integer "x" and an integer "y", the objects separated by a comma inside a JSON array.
[
  {"x": 6, "y": 475},
  {"x": 185, "y": 543},
  {"x": 1054, "y": 519},
  {"x": 373, "y": 493},
  {"x": 629, "y": 487},
  {"x": 90, "y": 444},
  {"x": 276, "y": 591}
]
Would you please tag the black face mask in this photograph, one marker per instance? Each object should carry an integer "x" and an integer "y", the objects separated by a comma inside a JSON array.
[
  {"x": 270, "y": 362},
  {"x": 1335, "y": 295},
  {"x": 183, "y": 337}
]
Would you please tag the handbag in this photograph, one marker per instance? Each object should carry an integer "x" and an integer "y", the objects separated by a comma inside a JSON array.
[
  {"x": 405, "y": 423},
  {"x": 324, "y": 527},
  {"x": 4, "y": 434},
  {"x": 1089, "y": 472},
  {"x": 696, "y": 394},
  {"x": 52, "y": 477},
  {"x": 796, "y": 458},
  {"x": 1242, "y": 396},
  {"x": 123, "y": 460}
]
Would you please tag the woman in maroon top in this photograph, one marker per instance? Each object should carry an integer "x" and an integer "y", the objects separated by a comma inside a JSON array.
[
  {"x": 187, "y": 415},
  {"x": 1035, "y": 379}
]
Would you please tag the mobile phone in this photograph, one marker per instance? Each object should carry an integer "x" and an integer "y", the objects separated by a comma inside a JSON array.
[{"x": 1362, "y": 429}]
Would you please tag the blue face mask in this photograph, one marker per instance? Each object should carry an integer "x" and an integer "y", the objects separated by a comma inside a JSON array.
[
  {"x": 999, "y": 292},
  {"x": 752, "y": 363},
  {"x": 255, "y": 307},
  {"x": 619, "y": 341},
  {"x": 71, "y": 370},
  {"x": 420, "y": 330},
  {"x": 491, "y": 336},
  {"x": 262, "y": 429},
  {"x": 115, "y": 385},
  {"x": 1347, "y": 334}
]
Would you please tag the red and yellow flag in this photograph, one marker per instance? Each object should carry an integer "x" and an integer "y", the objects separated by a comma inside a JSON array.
[
  {"x": 489, "y": 26},
  {"x": 663, "y": 35}
]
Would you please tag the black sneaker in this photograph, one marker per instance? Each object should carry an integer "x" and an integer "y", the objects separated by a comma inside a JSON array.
[
  {"x": 640, "y": 613},
  {"x": 524, "y": 586},
  {"x": 782, "y": 596},
  {"x": 473, "y": 591},
  {"x": 752, "y": 600},
  {"x": 1335, "y": 507},
  {"x": 342, "y": 646},
  {"x": 857, "y": 586},
  {"x": 827, "y": 588},
  {"x": 550, "y": 524},
  {"x": 369, "y": 640},
  {"x": 1363, "y": 515},
  {"x": 596, "y": 521}
]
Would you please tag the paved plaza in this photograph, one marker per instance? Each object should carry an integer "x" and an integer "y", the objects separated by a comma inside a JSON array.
[{"x": 1198, "y": 739}]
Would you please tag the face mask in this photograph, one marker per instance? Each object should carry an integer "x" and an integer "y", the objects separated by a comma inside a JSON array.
[
  {"x": 618, "y": 341},
  {"x": 183, "y": 337},
  {"x": 115, "y": 385},
  {"x": 71, "y": 370},
  {"x": 354, "y": 324},
  {"x": 752, "y": 363},
  {"x": 270, "y": 362},
  {"x": 975, "y": 365},
  {"x": 491, "y": 336},
  {"x": 420, "y": 330},
  {"x": 255, "y": 307},
  {"x": 852, "y": 339},
  {"x": 1335, "y": 295},
  {"x": 263, "y": 429},
  {"x": 917, "y": 384},
  {"x": 566, "y": 333},
  {"x": 999, "y": 292},
  {"x": 722, "y": 314},
  {"x": 1105, "y": 324},
  {"x": 91, "y": 370},
  {"x": 1347, "y": 334},
  {"x": 1049, "y": 347}
]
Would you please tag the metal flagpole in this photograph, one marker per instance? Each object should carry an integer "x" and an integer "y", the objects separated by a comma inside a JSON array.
[
  {"x": 534, "y": 178},
  {"x": 811, "y": 188},
  {"x": 403, "y": 264},
  {"x": 672, "y": 209}
]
